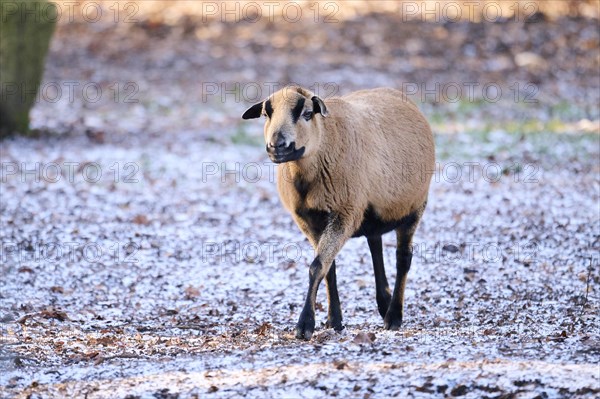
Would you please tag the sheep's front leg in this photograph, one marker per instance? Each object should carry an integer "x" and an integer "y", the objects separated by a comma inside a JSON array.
[
  {"x": 334, "y": 309},
  {"x": 331, "y": 241}
]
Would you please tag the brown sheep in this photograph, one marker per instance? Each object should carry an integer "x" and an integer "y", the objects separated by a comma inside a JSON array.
[{"x": 357, "y": 165}]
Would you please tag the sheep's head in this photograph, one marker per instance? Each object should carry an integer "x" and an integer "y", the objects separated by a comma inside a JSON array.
[{"x": 292, "y": 127}]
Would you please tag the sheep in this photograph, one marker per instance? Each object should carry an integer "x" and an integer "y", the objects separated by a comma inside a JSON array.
[{"x": 357, "y": 165}]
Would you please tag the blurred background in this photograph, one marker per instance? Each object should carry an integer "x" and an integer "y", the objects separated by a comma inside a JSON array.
[
  {"x": 143, "y": 244},
  {"x": 193, "y": 66}
]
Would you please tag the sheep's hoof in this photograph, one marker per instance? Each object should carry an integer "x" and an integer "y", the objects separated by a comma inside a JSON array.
[
  {"x": 383, "y": 307},
  {"x": 383, "y": 303},
  {"x": 336, "y": 325},
  {"x": 382, "y": 311},
  {"x": 305, "y": 328},
  {"x": 392, "y": 320}
]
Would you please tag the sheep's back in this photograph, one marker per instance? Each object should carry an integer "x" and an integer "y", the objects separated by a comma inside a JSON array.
[{"x": 396, "y": 151}]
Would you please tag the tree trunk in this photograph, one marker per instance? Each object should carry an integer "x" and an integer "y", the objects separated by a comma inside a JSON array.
[{"x": 26, "y": 27}]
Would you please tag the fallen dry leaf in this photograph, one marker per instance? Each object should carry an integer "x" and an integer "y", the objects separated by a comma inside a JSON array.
[{"x": 364, "y": 338}]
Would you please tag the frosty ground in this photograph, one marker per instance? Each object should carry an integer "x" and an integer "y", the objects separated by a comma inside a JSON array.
[
  {"x": 145, "y": 252},
  {"x": 189, "y": 280}
]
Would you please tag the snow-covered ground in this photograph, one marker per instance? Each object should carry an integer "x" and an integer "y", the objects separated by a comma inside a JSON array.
[{"x": 175, "y": 271}]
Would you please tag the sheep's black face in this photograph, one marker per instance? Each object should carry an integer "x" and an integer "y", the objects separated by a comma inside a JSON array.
[{"x": 282, "y": 153}]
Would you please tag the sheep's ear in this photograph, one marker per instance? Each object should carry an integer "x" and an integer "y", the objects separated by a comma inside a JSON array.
[
  {"x": 253, "y": 112},
  {"x": 319, "y": 106}
]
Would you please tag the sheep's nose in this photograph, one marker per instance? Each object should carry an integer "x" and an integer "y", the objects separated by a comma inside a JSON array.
[{"x": 279, "y": 141}]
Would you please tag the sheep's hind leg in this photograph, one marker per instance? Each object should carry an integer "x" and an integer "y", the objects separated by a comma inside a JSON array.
[
  {"x": 404, "y": 234},
  {"x": 382, "y": 289}
]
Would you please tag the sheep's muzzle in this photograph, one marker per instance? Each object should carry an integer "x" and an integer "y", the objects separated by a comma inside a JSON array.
[{"x": 285, "y": 154}]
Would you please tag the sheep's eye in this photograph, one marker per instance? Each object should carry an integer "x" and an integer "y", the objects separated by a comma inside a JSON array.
[{"x": 307, "y": 115}]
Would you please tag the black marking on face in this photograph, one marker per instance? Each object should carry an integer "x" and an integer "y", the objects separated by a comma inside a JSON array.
[
  {"x": 269, "y": 108},
  {"x": 372, "y": 224},
  {"x": 297, "y": 110}
]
